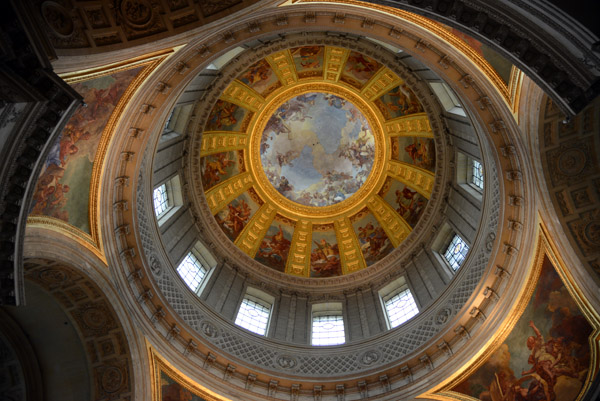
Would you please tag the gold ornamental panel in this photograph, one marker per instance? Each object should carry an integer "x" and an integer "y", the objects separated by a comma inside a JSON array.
[
  {"x": 243, "y": 96},
  {"x": 298, "y": 262},
  {"x": 224, "y": 141},
  {"x": 420, "y": 179},
  {"x": 411, "y": 125},
  {"x": 351, "y": 257},
  {"x": 283, "y": 65},
  {"x": 250, "y": 238},
  {"x": 220, "y": 195},
  {"x": 396, "y": 228},
  {"x": 382, "y": 81}
]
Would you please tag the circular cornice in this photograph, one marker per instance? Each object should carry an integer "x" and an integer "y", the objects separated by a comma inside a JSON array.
[{"x": 496, "y": 245}]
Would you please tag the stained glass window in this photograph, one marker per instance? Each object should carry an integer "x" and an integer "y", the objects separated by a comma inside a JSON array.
[
  {"x": 456, "y": 252},
  {"x": 477, "y": 174}
]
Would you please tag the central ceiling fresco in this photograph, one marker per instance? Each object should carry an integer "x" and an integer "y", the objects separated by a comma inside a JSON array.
[
  {"x": 317, "y": 149},
  {"x": 317, "y": 161}
]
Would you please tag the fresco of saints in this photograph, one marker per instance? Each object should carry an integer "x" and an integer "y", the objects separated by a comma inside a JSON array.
[
  {"x": 275, "y": 249},
  {"x": 215, "y": 168},
  {"x": 236, "y": 219},
  {"x": 325, "y": 259}
]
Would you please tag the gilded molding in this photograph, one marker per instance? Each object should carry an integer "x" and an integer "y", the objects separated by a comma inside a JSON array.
[
  {"x": 411, "y": 125},
  {"x": 417, "y": 178}
]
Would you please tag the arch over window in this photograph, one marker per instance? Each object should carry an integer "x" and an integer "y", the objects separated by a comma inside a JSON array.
[{"x": 327, "y": 324}]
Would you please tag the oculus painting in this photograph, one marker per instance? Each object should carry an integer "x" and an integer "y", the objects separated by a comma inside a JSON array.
[
  {"x": 545, "y": 357},
  {"x": 63, "y": 188},
  {"x": 317, "y": 149}
]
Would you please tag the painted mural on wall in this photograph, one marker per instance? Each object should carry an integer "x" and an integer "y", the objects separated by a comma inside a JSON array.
[
  {"x": 261, "y": 77},
  {"x": 236, "y": 215},
  {"x": 374, "y": 242},
  {"x": 218, "y": 167},
  {"x": 413, "y": 150},
  {"x": 308, "y": 61},
  {"x": 63, "y": 188},
  {"x": 359, "y": 69},
  {"x": 407, "y": 202},
  {"x": 275, "y": 246},
  {"x": 317, "y": 149},
  {"x": 545, "y": 357},
  {"x": 398, "y": 102},
  {"x": 227, "y": 116},
  {"x": 170, "y": 390},
  {"x": 325, "y": 255}
]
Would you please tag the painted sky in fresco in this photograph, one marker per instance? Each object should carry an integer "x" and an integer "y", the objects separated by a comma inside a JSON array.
[
  {"x": 63, "y": 188},
  {"x": 317, "y": 149},
  {"x": 547, "y": 349}
]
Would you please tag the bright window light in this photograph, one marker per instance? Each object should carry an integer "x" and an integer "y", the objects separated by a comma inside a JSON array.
[
  {"x": 254, "y": 316},
  {"x": 400, "y": 308},
  {"x": 328, "y": 330},
  {"x": 456, "y": 252},
  {"x": 191, "y": 271},
  {"x": 161, "y": 200},
  {"x": 477, "y": 174}
]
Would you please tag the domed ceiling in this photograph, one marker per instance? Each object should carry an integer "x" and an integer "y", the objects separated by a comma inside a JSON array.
[{"x": 317, "y": 161}]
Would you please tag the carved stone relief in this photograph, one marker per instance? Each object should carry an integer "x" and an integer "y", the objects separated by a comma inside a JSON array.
[
  {"x": 570, "y": 151},
  {"x": 106, "y": 344}
]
